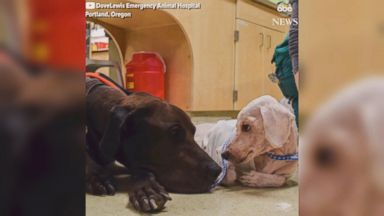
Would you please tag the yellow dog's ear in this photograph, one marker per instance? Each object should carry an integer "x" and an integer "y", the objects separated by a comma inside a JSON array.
[{"x": 277, "y": 121}]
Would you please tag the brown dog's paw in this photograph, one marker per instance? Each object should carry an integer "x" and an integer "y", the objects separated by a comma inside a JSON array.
[
  {"x": 101, "y": 186},
  {"x": 146, "y": 195}
]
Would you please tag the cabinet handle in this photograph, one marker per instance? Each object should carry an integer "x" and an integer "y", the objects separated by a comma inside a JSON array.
[
  {"x": 262, "y": 40},
  {"x": 270, "y": 41}
]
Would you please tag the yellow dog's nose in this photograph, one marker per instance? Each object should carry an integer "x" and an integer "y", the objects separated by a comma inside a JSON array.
[{"x": 226, "y": 155}]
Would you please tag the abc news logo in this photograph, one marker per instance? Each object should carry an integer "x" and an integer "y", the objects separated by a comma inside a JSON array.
[
  {"x": 286, "y": 8},
  {"x": 283, "y": 7},
  {"x": 284, "y": 21}
]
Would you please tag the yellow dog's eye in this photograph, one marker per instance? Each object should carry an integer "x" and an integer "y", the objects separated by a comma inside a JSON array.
[
  {"x": 246, "y": 127},
  {"x": 325, "y": 156}
]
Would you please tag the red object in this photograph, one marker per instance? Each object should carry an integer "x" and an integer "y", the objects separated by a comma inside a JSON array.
[
  {"x": 57, "y": 32},
  {"x": 145, "y": 73},
  {"x": 101, "y": 45}
]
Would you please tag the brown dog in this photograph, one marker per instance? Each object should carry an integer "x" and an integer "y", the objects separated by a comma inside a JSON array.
[
  {"x": 150, "y": 137},
  {"x": 42, "y": 144}
]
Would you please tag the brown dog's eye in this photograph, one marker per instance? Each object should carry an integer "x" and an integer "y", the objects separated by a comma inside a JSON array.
[
  {"x": 246, "y": 127},
  {"x": 177, "y": 132}
]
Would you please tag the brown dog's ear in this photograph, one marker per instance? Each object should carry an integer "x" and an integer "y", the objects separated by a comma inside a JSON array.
[
  {"x": 277, "y": 123},
  {"x": 110, "y": 142},
  {"x": 117, "y": 122}
]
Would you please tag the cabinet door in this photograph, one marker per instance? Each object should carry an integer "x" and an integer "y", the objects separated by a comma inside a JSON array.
[
  {"x": 272, "y": 39},
  {"x": 249, "y": 72}
]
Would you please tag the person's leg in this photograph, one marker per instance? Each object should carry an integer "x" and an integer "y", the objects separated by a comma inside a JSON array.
[
  {"x": 295, "y": 105},
  {"x": 294, "y": 53},
  {"x": 294, "y": 39}
]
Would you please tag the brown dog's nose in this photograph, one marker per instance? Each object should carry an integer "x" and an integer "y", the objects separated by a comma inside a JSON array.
[
  {"x": 214, "y": 169},
  {"x": 226, "y": 155}
]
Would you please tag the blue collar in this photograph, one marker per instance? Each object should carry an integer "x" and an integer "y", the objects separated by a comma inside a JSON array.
[{"x": 291, "y": 157}]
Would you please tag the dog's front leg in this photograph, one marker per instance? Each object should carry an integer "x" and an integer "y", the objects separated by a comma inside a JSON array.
[
  {"x": 99, "y": 179},
  {"x": 231, "y": 176},
  {"x": 145, "y": 193},
  {"x": 257, "y": 179}
]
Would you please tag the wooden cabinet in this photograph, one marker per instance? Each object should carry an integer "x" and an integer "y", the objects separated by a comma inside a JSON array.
[
  {"x": 205, "y": 65},
  {"x": 197, "y": 46},
  {"x": 254, "y": 51},
  {"x": 258, "y": 37},
  {"x": 249, "y": 63},
  {"x": 209, "y": 32}
]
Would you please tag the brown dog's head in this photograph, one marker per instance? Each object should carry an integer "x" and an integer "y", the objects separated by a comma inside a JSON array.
[
  {"x": 159, "y": 137},
  {"x": 263, "y": 125}
]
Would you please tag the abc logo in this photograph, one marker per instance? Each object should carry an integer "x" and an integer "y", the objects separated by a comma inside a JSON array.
[{"x": 284, "y": 7}]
